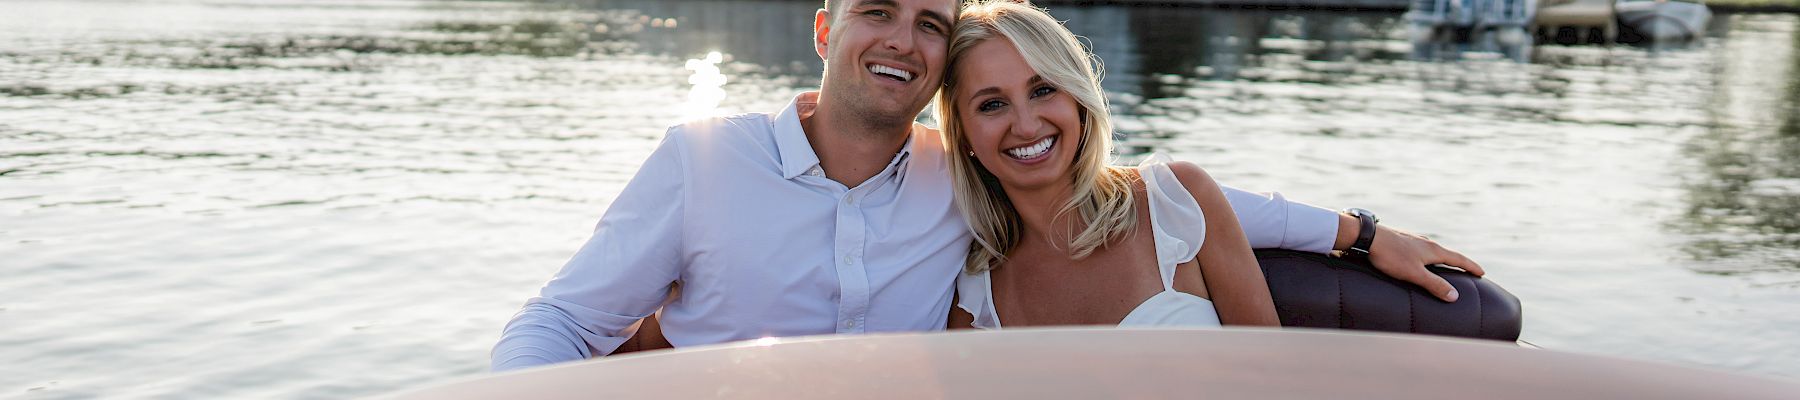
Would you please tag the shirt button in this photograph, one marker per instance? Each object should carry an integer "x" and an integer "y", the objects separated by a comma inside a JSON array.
[
  {"x": 847, "y": 259},
  {"x": 849, "y": 323}
]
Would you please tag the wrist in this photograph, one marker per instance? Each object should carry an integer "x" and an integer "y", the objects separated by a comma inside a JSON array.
[
  {"x": 1347, "y": 228},
  {"x": 1365, "y": 233}
]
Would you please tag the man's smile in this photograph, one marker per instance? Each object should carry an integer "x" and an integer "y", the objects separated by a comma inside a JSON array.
[{"x": 890, "y": 72}]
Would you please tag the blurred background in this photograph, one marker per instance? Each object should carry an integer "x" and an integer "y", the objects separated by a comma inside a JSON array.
[{"x": 327, "y": 199}]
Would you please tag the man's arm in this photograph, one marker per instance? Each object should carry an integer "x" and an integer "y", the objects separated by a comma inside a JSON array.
[
  {"x": 1403, "y": 254},
  {"x": 1271, "y": 221},
  {"x": 621, "y": 275}
]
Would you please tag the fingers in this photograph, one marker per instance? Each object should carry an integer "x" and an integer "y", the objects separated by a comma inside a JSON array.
[
  {"x": 1434, "y": 253},
  {"x": 1460, "y": 261},
  {"x": 1434, "y": 284},
  {"x": 1442, "y": 255},
  {"x": 1410, "y": 252}
]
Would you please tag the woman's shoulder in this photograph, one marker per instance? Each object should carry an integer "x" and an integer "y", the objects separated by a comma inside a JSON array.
[
  {"x": 1189, "y": 175},
  {"x": 1194, "y": 178}
]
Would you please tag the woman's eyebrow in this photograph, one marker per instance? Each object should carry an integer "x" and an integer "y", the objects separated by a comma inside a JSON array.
[{"x": 1033, "y": 81}]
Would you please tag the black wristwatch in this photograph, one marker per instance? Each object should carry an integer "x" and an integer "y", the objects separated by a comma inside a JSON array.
[{"x": 1365, "y": 236}]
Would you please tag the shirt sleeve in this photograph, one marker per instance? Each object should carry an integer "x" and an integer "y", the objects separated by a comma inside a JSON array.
[
  {"x": 621, "y": 275},
  {"x": 1271, "y": 221}
]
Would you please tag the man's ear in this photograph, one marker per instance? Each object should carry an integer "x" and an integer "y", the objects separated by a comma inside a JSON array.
[{"x": 821, "y": 31}]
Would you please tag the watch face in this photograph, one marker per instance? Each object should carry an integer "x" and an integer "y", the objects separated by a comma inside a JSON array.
[{"x": 1358, "y": 212}]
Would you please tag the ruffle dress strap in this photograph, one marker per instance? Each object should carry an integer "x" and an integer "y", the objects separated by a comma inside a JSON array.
[
  {"x": 974, "y": 294},
  {"x": 1175, "y": 216}
]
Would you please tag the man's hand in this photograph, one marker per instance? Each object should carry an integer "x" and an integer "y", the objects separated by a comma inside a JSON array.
[{"x": 1404, "y": 255}]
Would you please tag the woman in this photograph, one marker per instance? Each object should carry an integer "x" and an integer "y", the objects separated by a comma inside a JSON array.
[{"x": 1061, "y": 238}]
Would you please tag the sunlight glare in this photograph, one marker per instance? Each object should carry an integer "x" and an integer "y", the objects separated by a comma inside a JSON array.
[{"x": 708, "y": 87}]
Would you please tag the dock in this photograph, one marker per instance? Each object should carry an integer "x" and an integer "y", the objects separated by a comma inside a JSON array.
[
  {"x": 1728, "y": 6},
  {"x": 1343, "y": 5}
]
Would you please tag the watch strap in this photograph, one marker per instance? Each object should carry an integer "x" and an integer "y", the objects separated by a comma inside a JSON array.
[{"x": 1365, "y": 234}]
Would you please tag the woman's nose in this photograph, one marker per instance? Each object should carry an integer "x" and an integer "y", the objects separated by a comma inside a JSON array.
[{"x": 1026, "y": 121}]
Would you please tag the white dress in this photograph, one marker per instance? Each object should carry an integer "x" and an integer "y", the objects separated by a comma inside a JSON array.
[{"x": 1180, "y": 228}]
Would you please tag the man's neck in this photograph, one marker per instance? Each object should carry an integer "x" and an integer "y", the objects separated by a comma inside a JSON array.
[{"x": 850, "y": 151}]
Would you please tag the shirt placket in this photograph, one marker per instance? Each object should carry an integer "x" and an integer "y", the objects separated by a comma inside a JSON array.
[{"x": 853, "y": 276}]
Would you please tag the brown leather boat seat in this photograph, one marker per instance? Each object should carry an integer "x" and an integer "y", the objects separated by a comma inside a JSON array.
[{"x": 1317, "y": 291}]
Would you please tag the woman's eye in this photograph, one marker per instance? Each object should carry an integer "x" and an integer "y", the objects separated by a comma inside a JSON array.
[
  {"x": 1042, "y": 91},
  {"x": 990, "y": 105}
]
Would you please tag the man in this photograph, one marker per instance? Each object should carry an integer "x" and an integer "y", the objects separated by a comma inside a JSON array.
[{"x": 831, "y": 216}]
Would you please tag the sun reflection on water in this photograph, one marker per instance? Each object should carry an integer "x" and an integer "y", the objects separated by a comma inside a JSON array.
[{"x": 708, "y": 87}]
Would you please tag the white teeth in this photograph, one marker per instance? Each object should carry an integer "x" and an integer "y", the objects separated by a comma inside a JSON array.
[
  {"x": 1032, "y": 151},
  {"x": 896, "y": 72}
]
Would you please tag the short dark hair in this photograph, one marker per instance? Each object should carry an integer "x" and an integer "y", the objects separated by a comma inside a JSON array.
[{"x": 957, "y": 9}]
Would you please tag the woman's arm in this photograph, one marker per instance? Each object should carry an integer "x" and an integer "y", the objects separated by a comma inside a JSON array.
[
  {"x": 959, "y": 319},
  {"x": 1231, "y": 274},
  {"x": 648, "y": 337}
]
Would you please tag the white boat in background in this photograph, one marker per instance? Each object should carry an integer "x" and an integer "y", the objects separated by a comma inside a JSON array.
[
  {"x": 1446, "y": 28},
  {"x": 1587, "y": 18},
  {"x": 1664, "y": 20}
]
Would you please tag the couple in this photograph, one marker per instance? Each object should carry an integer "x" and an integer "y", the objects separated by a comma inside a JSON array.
[{"x": 841, "y": 215}]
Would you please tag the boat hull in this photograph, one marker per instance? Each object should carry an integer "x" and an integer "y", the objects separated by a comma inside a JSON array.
[{"x": 1664, "y": 21}]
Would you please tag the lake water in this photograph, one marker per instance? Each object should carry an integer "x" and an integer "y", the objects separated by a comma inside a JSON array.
[{"x": 328, "y": 199}]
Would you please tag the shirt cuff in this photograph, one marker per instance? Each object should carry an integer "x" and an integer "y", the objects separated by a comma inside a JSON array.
[{"x": 1309, "y": 228}]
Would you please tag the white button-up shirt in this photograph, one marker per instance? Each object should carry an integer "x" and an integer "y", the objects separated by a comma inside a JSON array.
[{"x": 737, "y": 212}]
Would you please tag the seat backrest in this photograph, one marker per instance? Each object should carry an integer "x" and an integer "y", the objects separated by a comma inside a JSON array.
[{"x": 1316, "y": 291}]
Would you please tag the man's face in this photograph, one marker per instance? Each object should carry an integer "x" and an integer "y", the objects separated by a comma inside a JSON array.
[{"x": 884, "y": 59}]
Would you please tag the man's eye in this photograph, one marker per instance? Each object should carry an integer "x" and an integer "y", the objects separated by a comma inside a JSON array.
[
  {"x": 990, "y": 105},
  {"x": 877, "y": 13},
  {"x": 931, "y": 27},
  {"x": 1042, "y": 91}
]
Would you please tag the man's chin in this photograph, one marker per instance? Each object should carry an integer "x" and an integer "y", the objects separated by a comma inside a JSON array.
[
  {"x": 877, "y": 109},
  {"x": 889, "y": 118},
  {"x": 883, "y": 113}
]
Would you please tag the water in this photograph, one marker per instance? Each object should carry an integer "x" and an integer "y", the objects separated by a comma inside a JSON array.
[{"x": 317, "y": 199}]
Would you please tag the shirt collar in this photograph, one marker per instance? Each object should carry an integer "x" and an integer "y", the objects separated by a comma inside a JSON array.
[
  {"x": 899, "y": 160},
  {"x": 797, "y": 156}
]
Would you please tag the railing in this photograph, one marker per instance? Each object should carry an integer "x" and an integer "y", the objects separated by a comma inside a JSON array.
[{"x": 1472, "y": 13}]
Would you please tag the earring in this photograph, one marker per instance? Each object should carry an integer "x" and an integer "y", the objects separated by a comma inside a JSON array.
[{"x": 971, "y": 153}]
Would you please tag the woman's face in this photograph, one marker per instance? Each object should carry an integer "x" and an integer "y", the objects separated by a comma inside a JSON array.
[{"x": 1020, "y": 127}]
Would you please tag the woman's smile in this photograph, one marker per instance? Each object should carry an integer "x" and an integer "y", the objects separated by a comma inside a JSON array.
[{"x": 1034, "y": 152}]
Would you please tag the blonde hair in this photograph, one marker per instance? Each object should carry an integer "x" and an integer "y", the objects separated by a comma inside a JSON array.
[{"x": 1102, "y": 193}]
